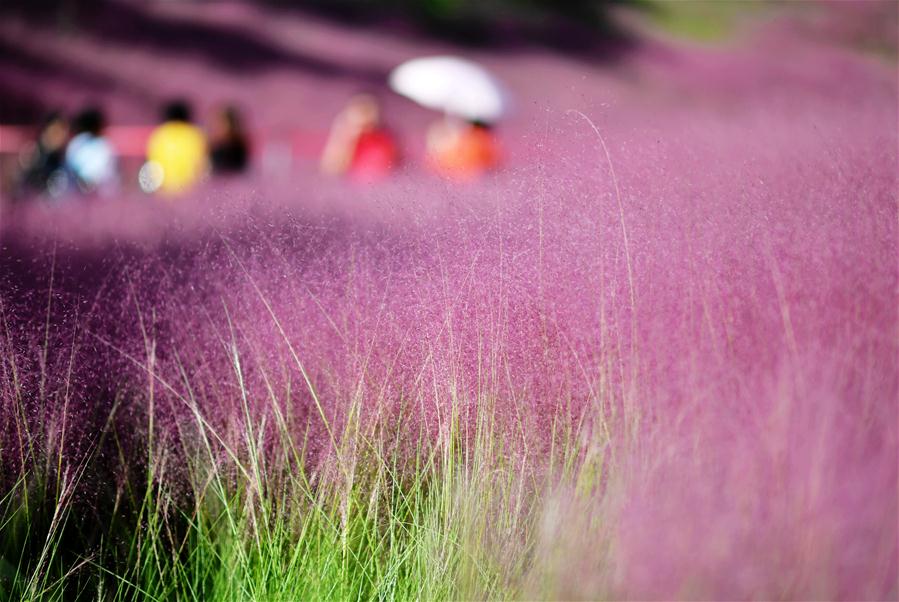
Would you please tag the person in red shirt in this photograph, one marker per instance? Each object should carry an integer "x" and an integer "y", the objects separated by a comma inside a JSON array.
[{"x": 359, "y": 147}]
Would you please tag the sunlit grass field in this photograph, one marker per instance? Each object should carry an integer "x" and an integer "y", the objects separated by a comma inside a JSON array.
[
  {"x": 653, "y": 358},
  {"x": 615, "y": 381}
]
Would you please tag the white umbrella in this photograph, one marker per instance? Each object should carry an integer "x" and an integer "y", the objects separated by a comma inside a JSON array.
[{"x": 451, "y": 84}]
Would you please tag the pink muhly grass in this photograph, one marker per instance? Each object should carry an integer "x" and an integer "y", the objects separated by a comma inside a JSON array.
[{"x": 684, "y": 388}]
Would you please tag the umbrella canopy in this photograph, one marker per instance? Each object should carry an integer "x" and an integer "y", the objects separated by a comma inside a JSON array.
[{"x": 451, "y": 84}]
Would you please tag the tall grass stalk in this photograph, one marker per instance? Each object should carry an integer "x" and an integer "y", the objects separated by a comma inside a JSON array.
[{"x": 456, "y": 519}]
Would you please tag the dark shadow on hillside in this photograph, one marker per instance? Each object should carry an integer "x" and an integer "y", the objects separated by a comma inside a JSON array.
[
  {"x": 577, "y": 28},
  {"x": 15, "y": 56},
  {"x": 574, "y": 27},
  {"x": 224, "y": 46},
  {"x": 21, "y": 104},
  {"x": 20, "y": 107}
]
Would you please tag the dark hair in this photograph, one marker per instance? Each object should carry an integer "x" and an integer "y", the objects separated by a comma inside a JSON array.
[
  {"x": 232, "y": 117},
  {"x": 89, "y": 120},
  {"x": 480, "y": 123},
  {"x": 177, "y": 110}
]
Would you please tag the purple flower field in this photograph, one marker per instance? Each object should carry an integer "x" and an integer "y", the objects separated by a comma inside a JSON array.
[{"x": 653, "y": 358}]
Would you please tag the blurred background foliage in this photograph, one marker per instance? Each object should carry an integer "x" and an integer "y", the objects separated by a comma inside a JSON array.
[
  {"x": 450, "y": 12},
  {"x": 568, "y": 25},
  {"x": 479, "y": 21}
]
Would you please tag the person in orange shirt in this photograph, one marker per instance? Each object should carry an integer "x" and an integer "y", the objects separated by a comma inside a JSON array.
[
  {"x": 176, "y": 153},
  {"x": 462, "y": 151}
]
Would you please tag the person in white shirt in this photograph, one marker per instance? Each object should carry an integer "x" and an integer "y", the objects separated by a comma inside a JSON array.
[{"x": 90, "y": 158}]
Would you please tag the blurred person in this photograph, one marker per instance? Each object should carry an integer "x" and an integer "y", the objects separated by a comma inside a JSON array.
[
  {"x": 359, "y": 146},
  {"x": 176, "y": 152},
  {"x": 228, "y": 142},
  {"x": 43, "y": 161},
  {"x": 462, "y": 150},
  {"x": 90, "y": 159}
]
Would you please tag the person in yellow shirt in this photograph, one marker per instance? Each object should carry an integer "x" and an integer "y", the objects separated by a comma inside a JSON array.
[{"x": 176, "y": 152}]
